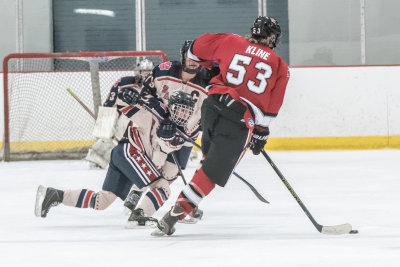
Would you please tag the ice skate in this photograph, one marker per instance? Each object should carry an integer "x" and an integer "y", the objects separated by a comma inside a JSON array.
[
  {"x": 193, "y": 217},
  {"x": 47, "y": 197},
  {"x": 138, "y": 220},
  {"x": 166, "y": 225},
  {"x": 132, "y": 199}
]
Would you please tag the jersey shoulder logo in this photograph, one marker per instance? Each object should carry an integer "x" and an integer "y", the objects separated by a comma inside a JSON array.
[{"x": 165, "y": 65}]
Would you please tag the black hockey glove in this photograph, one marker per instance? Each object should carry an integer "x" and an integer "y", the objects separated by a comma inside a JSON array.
[
  {"x": 167, "y": 130},
  {"x": 258, "y": 139},
  {"x": 130, "y": 96}
]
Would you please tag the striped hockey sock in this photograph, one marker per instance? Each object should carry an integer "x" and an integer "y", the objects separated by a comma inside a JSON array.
[{"x": 194, "y": 192}]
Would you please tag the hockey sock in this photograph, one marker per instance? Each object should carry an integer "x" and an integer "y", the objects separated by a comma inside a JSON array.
[
  {"x": 194, "y": 192},
  {"x": 153, "y": 200},
  {"x": 79, "y": 198}
]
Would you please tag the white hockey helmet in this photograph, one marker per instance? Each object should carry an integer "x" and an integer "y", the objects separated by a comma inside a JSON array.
[
  {"x": 146, "y": 64},
  {"x": 145, "y": 67}
]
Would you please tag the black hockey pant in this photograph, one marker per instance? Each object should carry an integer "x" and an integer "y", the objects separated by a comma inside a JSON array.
[{"x": 224, "y": 138}]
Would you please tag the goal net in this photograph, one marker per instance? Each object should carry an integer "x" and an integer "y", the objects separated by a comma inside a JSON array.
[{"x": 41, "y": 119}]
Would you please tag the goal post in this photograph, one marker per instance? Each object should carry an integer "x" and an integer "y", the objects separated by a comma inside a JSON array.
[{"x": 41, "y": 119}]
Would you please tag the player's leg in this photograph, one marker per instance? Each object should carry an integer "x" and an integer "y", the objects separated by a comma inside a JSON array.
[
  {"x": 133, "y": 198},
  {"x": 226, "y": 141},
  {"x": 157, "y": 194},
  {"x": 154, "y": 198},
  {"x": 190, "y": 197},
  {"x": 135, "y": 165},
  {"x": 116, "y": 184}
]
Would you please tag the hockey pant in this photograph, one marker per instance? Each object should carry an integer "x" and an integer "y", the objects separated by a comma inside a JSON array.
[
  {"x": 224, "y": 141},
  {"x": 128, "y": 166},
  {"x": 159, "y": 191},
  {"x": 225, "y": 137}
]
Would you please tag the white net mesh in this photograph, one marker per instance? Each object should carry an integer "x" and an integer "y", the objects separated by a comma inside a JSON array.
[{"x": 44, "y": 120}]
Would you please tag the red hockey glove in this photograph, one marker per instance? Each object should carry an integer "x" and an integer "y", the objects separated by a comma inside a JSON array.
[{"x": 258, "y": 139}]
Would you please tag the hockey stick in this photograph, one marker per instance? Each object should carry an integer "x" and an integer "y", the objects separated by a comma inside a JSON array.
[
  {"x": 95, "y": 118},
  {"x": 187, "y": 138},
  {"x": 82, "y": 104},
  {"x": 179, "y": 167},
  {"x": 330, "y": 230}
]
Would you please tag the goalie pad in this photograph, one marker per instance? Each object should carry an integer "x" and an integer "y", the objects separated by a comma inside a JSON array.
[
  {"x": 106, "y": 123},
  {"x": 122, "y": 124},
  {"x": 100, "y": 152}
]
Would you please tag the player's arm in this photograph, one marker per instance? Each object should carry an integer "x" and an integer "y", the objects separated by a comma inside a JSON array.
[
  {"x": 262, "y": 120},
  {"x": 135, "y": 98},
  {"x": 278, "y": 92},
  {"x": 203, "y": 48},
  {"x": 112, "y": 95},
  {"x": 148, "y": 83},
  {"x": 109, "y": 123}
]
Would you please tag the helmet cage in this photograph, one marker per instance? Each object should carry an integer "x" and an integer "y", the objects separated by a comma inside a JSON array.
[{"x": 181, "y": 108}]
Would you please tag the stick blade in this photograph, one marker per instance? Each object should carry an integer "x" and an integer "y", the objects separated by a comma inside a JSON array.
[{"x": 340, "y": 229}]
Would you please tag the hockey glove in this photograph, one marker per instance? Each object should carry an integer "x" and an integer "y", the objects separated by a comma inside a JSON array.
[
  {"x": 258, "y": 139},
  {"x": 130, "y": 96},
  {"x": 167, "y": 130}
]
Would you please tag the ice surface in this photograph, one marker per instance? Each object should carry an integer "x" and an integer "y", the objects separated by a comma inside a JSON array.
[{"x": 357, "y": 187}]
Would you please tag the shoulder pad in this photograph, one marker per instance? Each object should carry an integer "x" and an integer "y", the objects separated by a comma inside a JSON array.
[
  {"x": 168, "y": 68},
  {"x": 126, "y": 80}
]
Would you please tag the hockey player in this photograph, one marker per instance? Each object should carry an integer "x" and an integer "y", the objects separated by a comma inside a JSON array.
[
  {"x": 145, "y": 67},
  {"x": 99, "y": 154},
  {"x": 140, "y": 157},
  {"x": 244, "y": 98},
  {"x": 166, "y": 79}
]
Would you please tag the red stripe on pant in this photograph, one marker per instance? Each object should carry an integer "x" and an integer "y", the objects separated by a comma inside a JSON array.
[{"x": 201, "y": 182}]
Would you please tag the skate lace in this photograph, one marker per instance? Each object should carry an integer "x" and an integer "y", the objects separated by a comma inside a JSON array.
[
  {"x": 52, "y": 204},
  {"x": 55, "y": 203}
]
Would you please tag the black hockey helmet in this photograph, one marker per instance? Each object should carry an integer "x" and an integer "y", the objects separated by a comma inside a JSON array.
[
  {"x": 184, "y": 49},
  {"x": 181, "y": 107},
  {"x": 266, "y": 27}
]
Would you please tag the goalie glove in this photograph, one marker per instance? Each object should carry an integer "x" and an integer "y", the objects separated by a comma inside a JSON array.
[
  {"x": 130, "y": 96},
  {"x": 258, "y": 139},
  {"x": 167, "y": 130}
]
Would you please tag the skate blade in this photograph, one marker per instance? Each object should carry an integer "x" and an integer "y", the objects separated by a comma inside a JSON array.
[
  {"x": 126, "y": 211},
  {"x": 40, "y": 194},
  {"x": 157, "y": 233},
  {"x": 189, "y": 220},
  {"x": 135, "y": 225}
]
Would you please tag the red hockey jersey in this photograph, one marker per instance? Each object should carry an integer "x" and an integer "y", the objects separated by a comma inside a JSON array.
[{"x": 249, "y": 72}]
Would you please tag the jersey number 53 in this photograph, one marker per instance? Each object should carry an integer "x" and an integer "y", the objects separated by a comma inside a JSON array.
[{"x": 237, "y": 64}]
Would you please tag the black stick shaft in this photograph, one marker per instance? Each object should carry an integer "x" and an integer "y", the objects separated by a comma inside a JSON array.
[
  {"x": 291, "y": 190},
  {"x": 179, "y": 167}
]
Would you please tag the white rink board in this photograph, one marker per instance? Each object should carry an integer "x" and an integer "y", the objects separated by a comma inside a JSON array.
[
  {"x": 331, "y": 101},
  {"x": 340, "y": 101}
]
